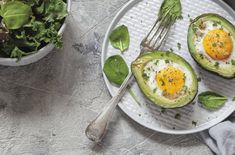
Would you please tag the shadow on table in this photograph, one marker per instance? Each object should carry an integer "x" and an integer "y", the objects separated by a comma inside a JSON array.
[{"x": 60, "y": 73}]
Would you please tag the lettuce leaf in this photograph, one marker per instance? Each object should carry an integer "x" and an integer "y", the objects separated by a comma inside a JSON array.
[
  {"x": 53, "y": 10},
  {"x": 42, "y": 27},
  {"x": 15, "y": 14}
]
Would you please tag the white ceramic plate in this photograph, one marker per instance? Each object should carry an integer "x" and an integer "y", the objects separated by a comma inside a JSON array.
[{"x": 139, "y": 16}]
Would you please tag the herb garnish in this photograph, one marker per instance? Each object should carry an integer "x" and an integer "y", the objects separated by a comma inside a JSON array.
[
  {"x": 177, "y": 116},
  {"x": 221, "y": 44},
  {"x": 194, "y": 28},
  {"x": 179, "y": 46},
  {"x": 163, "y": 82},
  {"x": 145, "y": 76},
  {"x": 214, "y": 44},
  {"x": 156, "y": 62},
  {"x": 201, "y": 56},
  {"x": 233, "y": 62},
  {"x": 163, "y": 110},
  {"x": 184, "y": 77},
  {"x": 167, "y": 61},
  {"x": 215, "y": 24},
  {"x": 194, "y": 123},
  {"x": 217, "y": 65}
]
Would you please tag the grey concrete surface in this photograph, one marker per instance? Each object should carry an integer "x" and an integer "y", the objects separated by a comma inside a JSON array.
[{"x": 45, "y": 107}]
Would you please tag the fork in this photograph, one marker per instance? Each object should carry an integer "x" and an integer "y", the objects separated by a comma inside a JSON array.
[{"x": 96, "y": 130}]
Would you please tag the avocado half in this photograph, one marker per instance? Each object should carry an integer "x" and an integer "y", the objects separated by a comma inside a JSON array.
[
  {"x": 226, "y": 71},
  {"x": 138, "y": 68}
]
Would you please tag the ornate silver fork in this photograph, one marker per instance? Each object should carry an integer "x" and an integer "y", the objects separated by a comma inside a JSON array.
[{"x": 97, "y": 128}]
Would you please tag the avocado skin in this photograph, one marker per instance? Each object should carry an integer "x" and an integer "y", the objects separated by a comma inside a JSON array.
[
  {"x": 183, "y": 100},
  {"x": 193, "y": 51}
]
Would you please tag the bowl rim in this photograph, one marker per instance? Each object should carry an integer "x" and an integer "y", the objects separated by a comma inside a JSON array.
[{"x": 13, "y": 61}]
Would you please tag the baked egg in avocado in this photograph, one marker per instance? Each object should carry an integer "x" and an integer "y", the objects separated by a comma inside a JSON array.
[
  {"x": 211, "y": 43},
  {"x": 165, "y": 78}
]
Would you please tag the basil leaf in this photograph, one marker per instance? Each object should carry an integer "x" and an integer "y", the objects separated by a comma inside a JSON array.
[
  {"x": 15, "y": 14},
  {"x": 115, "y": 69},
  {"x": 211, "y": 100},
  {"x": 120, "y": 38}
]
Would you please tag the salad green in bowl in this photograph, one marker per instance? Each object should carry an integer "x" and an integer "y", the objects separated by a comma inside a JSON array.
[{"x": 30, "y": 29}]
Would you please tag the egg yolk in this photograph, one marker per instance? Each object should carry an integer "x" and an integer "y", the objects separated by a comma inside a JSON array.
[
  {"x": 171, "y": 80},
  {"x": 218, "y": 44}
]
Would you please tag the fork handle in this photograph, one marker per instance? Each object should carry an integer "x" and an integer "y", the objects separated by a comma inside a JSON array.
[{"x": 97, "y": 128}]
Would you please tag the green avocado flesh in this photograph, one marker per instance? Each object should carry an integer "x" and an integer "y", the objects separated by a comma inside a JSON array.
[
  {"x": 139, "y": 68},
  {"x": 224, "y": 68}
]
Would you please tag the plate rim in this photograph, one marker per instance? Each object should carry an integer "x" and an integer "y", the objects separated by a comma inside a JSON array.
[{"x": 113, "y": 23}]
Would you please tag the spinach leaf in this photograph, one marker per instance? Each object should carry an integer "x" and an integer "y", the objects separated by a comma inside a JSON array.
[
  {"x": 15, "y": 14},
  {"x": 211, "y": 100},
  {"x": 120, "y": 38},
  {"x": 172, "y": 10},
  {"x": 116, "y": 70}
]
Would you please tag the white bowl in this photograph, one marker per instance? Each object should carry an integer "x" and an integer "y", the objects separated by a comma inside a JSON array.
[{"x": 38, "y": 55}]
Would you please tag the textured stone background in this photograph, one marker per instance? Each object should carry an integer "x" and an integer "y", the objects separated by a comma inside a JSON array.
[{"x": 45, "y": 107}]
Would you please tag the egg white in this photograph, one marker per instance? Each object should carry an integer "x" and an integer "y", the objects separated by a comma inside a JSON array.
[
  {"x": 154, "y": 69},
  {"x": 198, "y": 42}
]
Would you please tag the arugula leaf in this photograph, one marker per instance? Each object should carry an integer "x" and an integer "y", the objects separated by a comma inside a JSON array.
[
  {"x": 115, "y": 69},
  {"x": 211, "y": 100},
  {"x": 120, "y": 38},
  {"x": 15, "y": 14},
  {"x": 172, "y": 10}
]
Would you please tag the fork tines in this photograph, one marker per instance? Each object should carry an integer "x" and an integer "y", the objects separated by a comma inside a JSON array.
[{"x": 156, "y": 36}]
